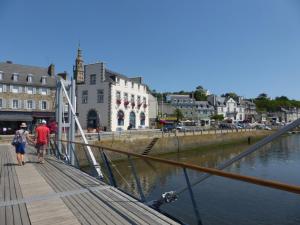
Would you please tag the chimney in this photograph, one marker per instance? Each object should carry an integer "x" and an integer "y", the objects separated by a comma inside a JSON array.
[
  {"x": 102, "y": 71},
  {"x": 51, "y": 70},
  {"x": 9, "y": 62}
]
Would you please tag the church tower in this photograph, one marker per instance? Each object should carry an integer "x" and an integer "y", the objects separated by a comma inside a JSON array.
[{"x": 78, "y": 68}]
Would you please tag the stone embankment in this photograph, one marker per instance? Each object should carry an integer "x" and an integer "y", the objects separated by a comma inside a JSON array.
[{"x": 169, "y": 143}]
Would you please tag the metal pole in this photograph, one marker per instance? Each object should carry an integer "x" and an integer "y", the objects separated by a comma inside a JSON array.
[
  {"x": 112, "y": 179},
  {"x": 59, "y": 117},
  {"x": 192, "y": 197},
  {"x": 96, "y": 165},
  {"x": 72, "y": 123},
  {"x": 138, "y": 183}
]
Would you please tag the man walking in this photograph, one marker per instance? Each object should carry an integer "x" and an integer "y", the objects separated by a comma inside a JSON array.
[{"x": 42, "y": 133}]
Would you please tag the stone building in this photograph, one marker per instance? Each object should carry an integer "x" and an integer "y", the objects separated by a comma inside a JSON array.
[
  {"x": 231, "y": 109},
  {"x": 27, "y": 94},
  {"x": 195, "y": 111},
  {"x": 109, "y": 100}
]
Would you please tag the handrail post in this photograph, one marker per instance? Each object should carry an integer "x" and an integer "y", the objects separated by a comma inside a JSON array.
[
  {"x": 192, "y": 197},
  {"x": 137, "y": 180},
  {"x": 112, "y": 179}
]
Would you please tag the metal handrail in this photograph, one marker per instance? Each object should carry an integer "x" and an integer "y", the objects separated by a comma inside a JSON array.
[{"x": 217, "y": 172}]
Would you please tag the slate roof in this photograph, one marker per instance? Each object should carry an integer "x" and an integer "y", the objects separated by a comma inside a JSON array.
[
  {"x": 111, "y": 75},
  {"x": 23, "y": 71},
  {"x": 204, "y": 104}
]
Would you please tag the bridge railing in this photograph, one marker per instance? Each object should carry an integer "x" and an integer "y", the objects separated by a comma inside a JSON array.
[{"x": 103, "y": 155}]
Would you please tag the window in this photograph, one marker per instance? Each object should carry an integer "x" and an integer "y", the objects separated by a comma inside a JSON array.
[
  {"x": 132, "y": 85},
  {"x": 142, "y": 119},
  {"x": 30, "y": 90},
  {"x": 125, "y": 82},
  {"x": 14, "y": 89},
  {"x": 44, "y": 80},
  {"x": 29, "y": 104},
  {"x": 132, "y": 98},
  {"x": 1, "y": 75},
  {"x": 125, "y": 96},
  {"x": 66, "y": 107},
  {"x": 1, "y": 103},
  {"x": 138, "y": 99},
  {"x": 118, "y": 95},
  {"x": 15, "y": 104},
  {"x": 144, "y": 100},
  {"x": 85, "y": 97},
  {"x": 100, "y": 96},
  {"x": 93, "y": 79},
  {"x": 15, "y": 77},
  {"x": 43, "y": 91},
  {"x": 120, "y": 118},
  {"x": 43, "y": 105},
  {"x": 29, "y": 79}
]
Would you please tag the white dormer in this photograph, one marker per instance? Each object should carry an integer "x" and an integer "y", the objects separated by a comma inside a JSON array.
[
  {"x": 15, "y": 76},
  {"x": 29, "y": 78},
  {"x": 44, "y": 80}
]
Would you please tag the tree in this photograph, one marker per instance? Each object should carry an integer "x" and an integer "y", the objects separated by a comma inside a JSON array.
[
  {"x": 200, "y": 87},
  {"x": 230, "y": 95},
  {"x": 218, "y": 117},
  {"x": 200, "y": 95},
  {"x": 282, "y": 98},
  {"x": 178, "y": 114},
  {"x": 262, "y": 96}
]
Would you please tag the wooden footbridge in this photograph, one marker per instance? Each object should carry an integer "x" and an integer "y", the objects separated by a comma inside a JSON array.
[{"x": 55, "y": 193}]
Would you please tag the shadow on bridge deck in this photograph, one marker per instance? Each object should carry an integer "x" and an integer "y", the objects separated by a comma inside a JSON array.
[{"x": 55, "y": 193}]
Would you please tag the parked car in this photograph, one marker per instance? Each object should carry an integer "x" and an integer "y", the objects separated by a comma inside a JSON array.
[
  {"x": 168, "y": 127},
  {"x": 182, "y": 128},
  {"x": 267, "y": 128}
]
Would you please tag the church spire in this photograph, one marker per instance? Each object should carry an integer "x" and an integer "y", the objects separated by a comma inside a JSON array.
[{"x": 78, "y": 68}]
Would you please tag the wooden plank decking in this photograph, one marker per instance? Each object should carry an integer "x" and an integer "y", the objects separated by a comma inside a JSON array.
[{"x": 55, "y": 193}]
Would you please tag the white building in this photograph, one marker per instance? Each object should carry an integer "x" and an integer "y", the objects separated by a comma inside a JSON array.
[
  {"x": 109, "y": 100},
  {"x": 228, "y": 107}
]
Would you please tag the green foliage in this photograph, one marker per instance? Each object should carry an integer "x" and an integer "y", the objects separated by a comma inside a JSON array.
[
  {"x": 178, "y": 114},
  {"x": 230, "y": 95},
  {"x": 265, "y": 104},
  {"x": 218, "y": 117},
  {"x": 200, "y": 95}
]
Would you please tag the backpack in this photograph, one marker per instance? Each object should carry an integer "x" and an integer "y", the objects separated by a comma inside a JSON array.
[{"x": 18, "y": 139}]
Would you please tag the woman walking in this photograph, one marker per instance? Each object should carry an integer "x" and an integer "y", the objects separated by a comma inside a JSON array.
[{"x": 20, "y": 140}]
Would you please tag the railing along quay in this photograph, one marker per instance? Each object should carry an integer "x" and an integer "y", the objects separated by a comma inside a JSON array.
[{"x": 211, "y": 171}]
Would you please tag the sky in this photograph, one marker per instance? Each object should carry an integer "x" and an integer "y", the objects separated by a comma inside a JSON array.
[{"x": 243, "y": 46}]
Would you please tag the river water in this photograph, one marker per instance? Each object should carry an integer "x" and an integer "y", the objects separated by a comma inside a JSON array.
[{"x": 220, "y": 200}]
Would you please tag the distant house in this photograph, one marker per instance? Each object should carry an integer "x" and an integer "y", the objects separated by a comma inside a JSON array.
[
  {"x": 231, "y": 110},
  {"x": 195, "y": 111},
  {"x": 250, "y": 109},
  {"x": 27, "y": 94},
  {"x": 153, "y": 110}
]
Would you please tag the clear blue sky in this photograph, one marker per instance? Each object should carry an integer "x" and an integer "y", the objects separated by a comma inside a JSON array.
[{"x": 244, "y": 46}]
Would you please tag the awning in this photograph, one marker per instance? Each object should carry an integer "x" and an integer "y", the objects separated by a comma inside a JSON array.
[{"x": 15, "y": 117}]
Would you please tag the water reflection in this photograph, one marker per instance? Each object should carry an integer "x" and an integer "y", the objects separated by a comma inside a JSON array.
[{"x": 220, "y": 200}]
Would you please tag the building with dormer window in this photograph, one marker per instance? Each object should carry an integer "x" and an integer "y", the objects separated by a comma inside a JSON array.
[
  {"x": 27, "y": 94},
  {"x": 109, "y": 100},
  {"x": 231, "y": 109}
]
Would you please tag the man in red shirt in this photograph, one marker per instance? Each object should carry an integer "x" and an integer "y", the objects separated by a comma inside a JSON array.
[{"x": 42, "y": 133}]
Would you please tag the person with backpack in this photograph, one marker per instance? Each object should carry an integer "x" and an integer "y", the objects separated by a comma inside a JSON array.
[
  {"x": 42, "y": 134},
  {"x": 20, "y": 140}
]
